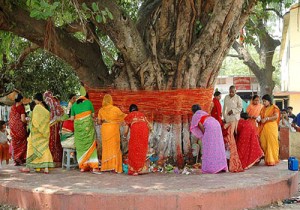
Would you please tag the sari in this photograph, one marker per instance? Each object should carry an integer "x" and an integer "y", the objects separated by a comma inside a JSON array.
[
  {"x": 84, "y": 133},
  {"x": 38, "y": 152},
  {"x": 67, "y": 134},
  {"x": 213, "y": 157},
  {"x": 248, "y": 146},
  {"x": 56, "y": 111},
  {"x": 254, "y": 111},
  {"x": 235, "y": 164},
  {"x": 18, "y": 134},
  {"x": 4, "y": 148},
  {"x": 111, "y": 117},
  {"x": 216, "y": 111},
  {"x": 268, "y": 133},
  {"x": 138, "y": 142}
]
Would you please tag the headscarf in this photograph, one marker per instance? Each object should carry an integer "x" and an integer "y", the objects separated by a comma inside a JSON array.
[
  {"x": 82, "y": 91},
  {"x": 107, "y": 100},
  {"x": 55, "y": 109},
  {"x": 194, "y": 128}
]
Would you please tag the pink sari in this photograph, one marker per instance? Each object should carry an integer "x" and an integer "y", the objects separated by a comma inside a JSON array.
[{"x": 213, "y": 154}]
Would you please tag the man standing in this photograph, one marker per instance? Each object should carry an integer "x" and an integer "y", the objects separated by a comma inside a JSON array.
[
  {"x": 232, "y": 107},
  {"x": 231, "y": 112},
  {"x": 290, "y": 113}
]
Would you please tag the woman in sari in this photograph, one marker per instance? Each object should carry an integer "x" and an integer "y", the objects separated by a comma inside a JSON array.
[
  {"x": 56, "y": 111},
  {"x": 4, "y": 147},
  {"x": 216, "y": 108},
  {"x": 18, "y": 133},
  {"x": 138, "y": 142},
  {"x": 208, "y": 130},
  {"x": 82, "y": 113},
  {"x": 248, "y": 146},
  {"x": 253, "y": 111},
  {"x": 38, "y": 152},
  {"x": 110, "y": 117},
  {"x": 268, "y": 131}
]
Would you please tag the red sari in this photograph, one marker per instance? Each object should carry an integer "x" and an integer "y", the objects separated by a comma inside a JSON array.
[
  {"x": 216, "y": 111},
  {"x": 18, "y": 134},
  {"x": 248, "y": 146},
  {"x": 138, "y": 142}
]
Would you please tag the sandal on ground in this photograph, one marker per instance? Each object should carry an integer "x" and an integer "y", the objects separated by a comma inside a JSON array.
[
  {"x": 46, "y": 171},
  {"x": 25, "y": 170}
]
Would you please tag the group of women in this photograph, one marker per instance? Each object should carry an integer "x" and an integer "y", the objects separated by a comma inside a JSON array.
[
  {"x": 32, "y": 149},
  {"x": 42, "y": 148},
  {"x": 110, "y": 118},
  {"x": 256, "y": 137}
]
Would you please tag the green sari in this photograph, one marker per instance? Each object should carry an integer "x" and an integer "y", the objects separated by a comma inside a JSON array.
[{"x": 85, "y": 136}]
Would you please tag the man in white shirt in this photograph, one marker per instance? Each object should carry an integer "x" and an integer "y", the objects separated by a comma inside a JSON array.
[{"x": 232, "y": 107}]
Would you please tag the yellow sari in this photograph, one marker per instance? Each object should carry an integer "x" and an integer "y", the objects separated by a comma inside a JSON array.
[
  {"x": 111, "y": 117},
  {"x": 38, "y": 152},
  {"x": 269, "y": 135}
]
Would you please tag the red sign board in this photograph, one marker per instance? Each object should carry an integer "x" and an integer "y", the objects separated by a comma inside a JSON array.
[{"x": 242, "y": 83}]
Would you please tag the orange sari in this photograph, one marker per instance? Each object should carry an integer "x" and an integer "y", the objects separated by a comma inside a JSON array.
[
  {"x": 111, "y": 117},
  {"x": 254, "y": 111},
  {"x": 268, "y": 133}
]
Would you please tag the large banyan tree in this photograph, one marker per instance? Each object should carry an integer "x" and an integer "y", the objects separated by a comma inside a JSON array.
[{"x": 163, "y": 45}]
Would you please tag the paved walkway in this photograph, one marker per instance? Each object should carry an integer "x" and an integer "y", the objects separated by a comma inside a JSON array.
[{"x": 61, "y": 189}]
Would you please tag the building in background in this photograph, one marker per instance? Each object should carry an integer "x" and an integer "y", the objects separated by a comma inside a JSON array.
[
  {"x": 246, "y": 87},
  {"x": 289, "y": 95}
]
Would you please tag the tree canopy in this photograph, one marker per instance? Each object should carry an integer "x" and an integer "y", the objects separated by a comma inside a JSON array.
[{"x": 150, "y": 44}]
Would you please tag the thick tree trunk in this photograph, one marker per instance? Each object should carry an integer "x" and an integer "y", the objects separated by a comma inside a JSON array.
[{"x": 174, "y": 45}]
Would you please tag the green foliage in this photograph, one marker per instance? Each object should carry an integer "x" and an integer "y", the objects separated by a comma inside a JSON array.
[
  {"x": 130, "y": 7},
  {"x": 100, "y": 15},
  {"x": 43, "y": 71},
  {"x": 41, "y": 9},
  {"x": 199, "y": 26},
  {"x": 232, "y": 66},
  {"x": 10, "y": 47}
]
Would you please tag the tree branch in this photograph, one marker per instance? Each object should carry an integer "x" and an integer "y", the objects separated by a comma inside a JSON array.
[
  {"x": 247, "y": 59},
  {"x": 275, "y": 11},
  {"x": 81, "y": 56},
  {"x": 235, "y": 56},
  {"x": 123, "y": 33},
  {"x": 23, "y": 56},
  {"x": 145, "y": 12}
]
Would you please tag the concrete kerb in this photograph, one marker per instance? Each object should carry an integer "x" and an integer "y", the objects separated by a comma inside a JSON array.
[{"x": 258, "y": 186}]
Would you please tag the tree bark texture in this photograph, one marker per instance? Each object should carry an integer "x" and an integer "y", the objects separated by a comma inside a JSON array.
[{"x": 174, "y": 44}]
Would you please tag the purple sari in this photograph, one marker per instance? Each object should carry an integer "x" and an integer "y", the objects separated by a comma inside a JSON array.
[{"x": 213, "y": 152}]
